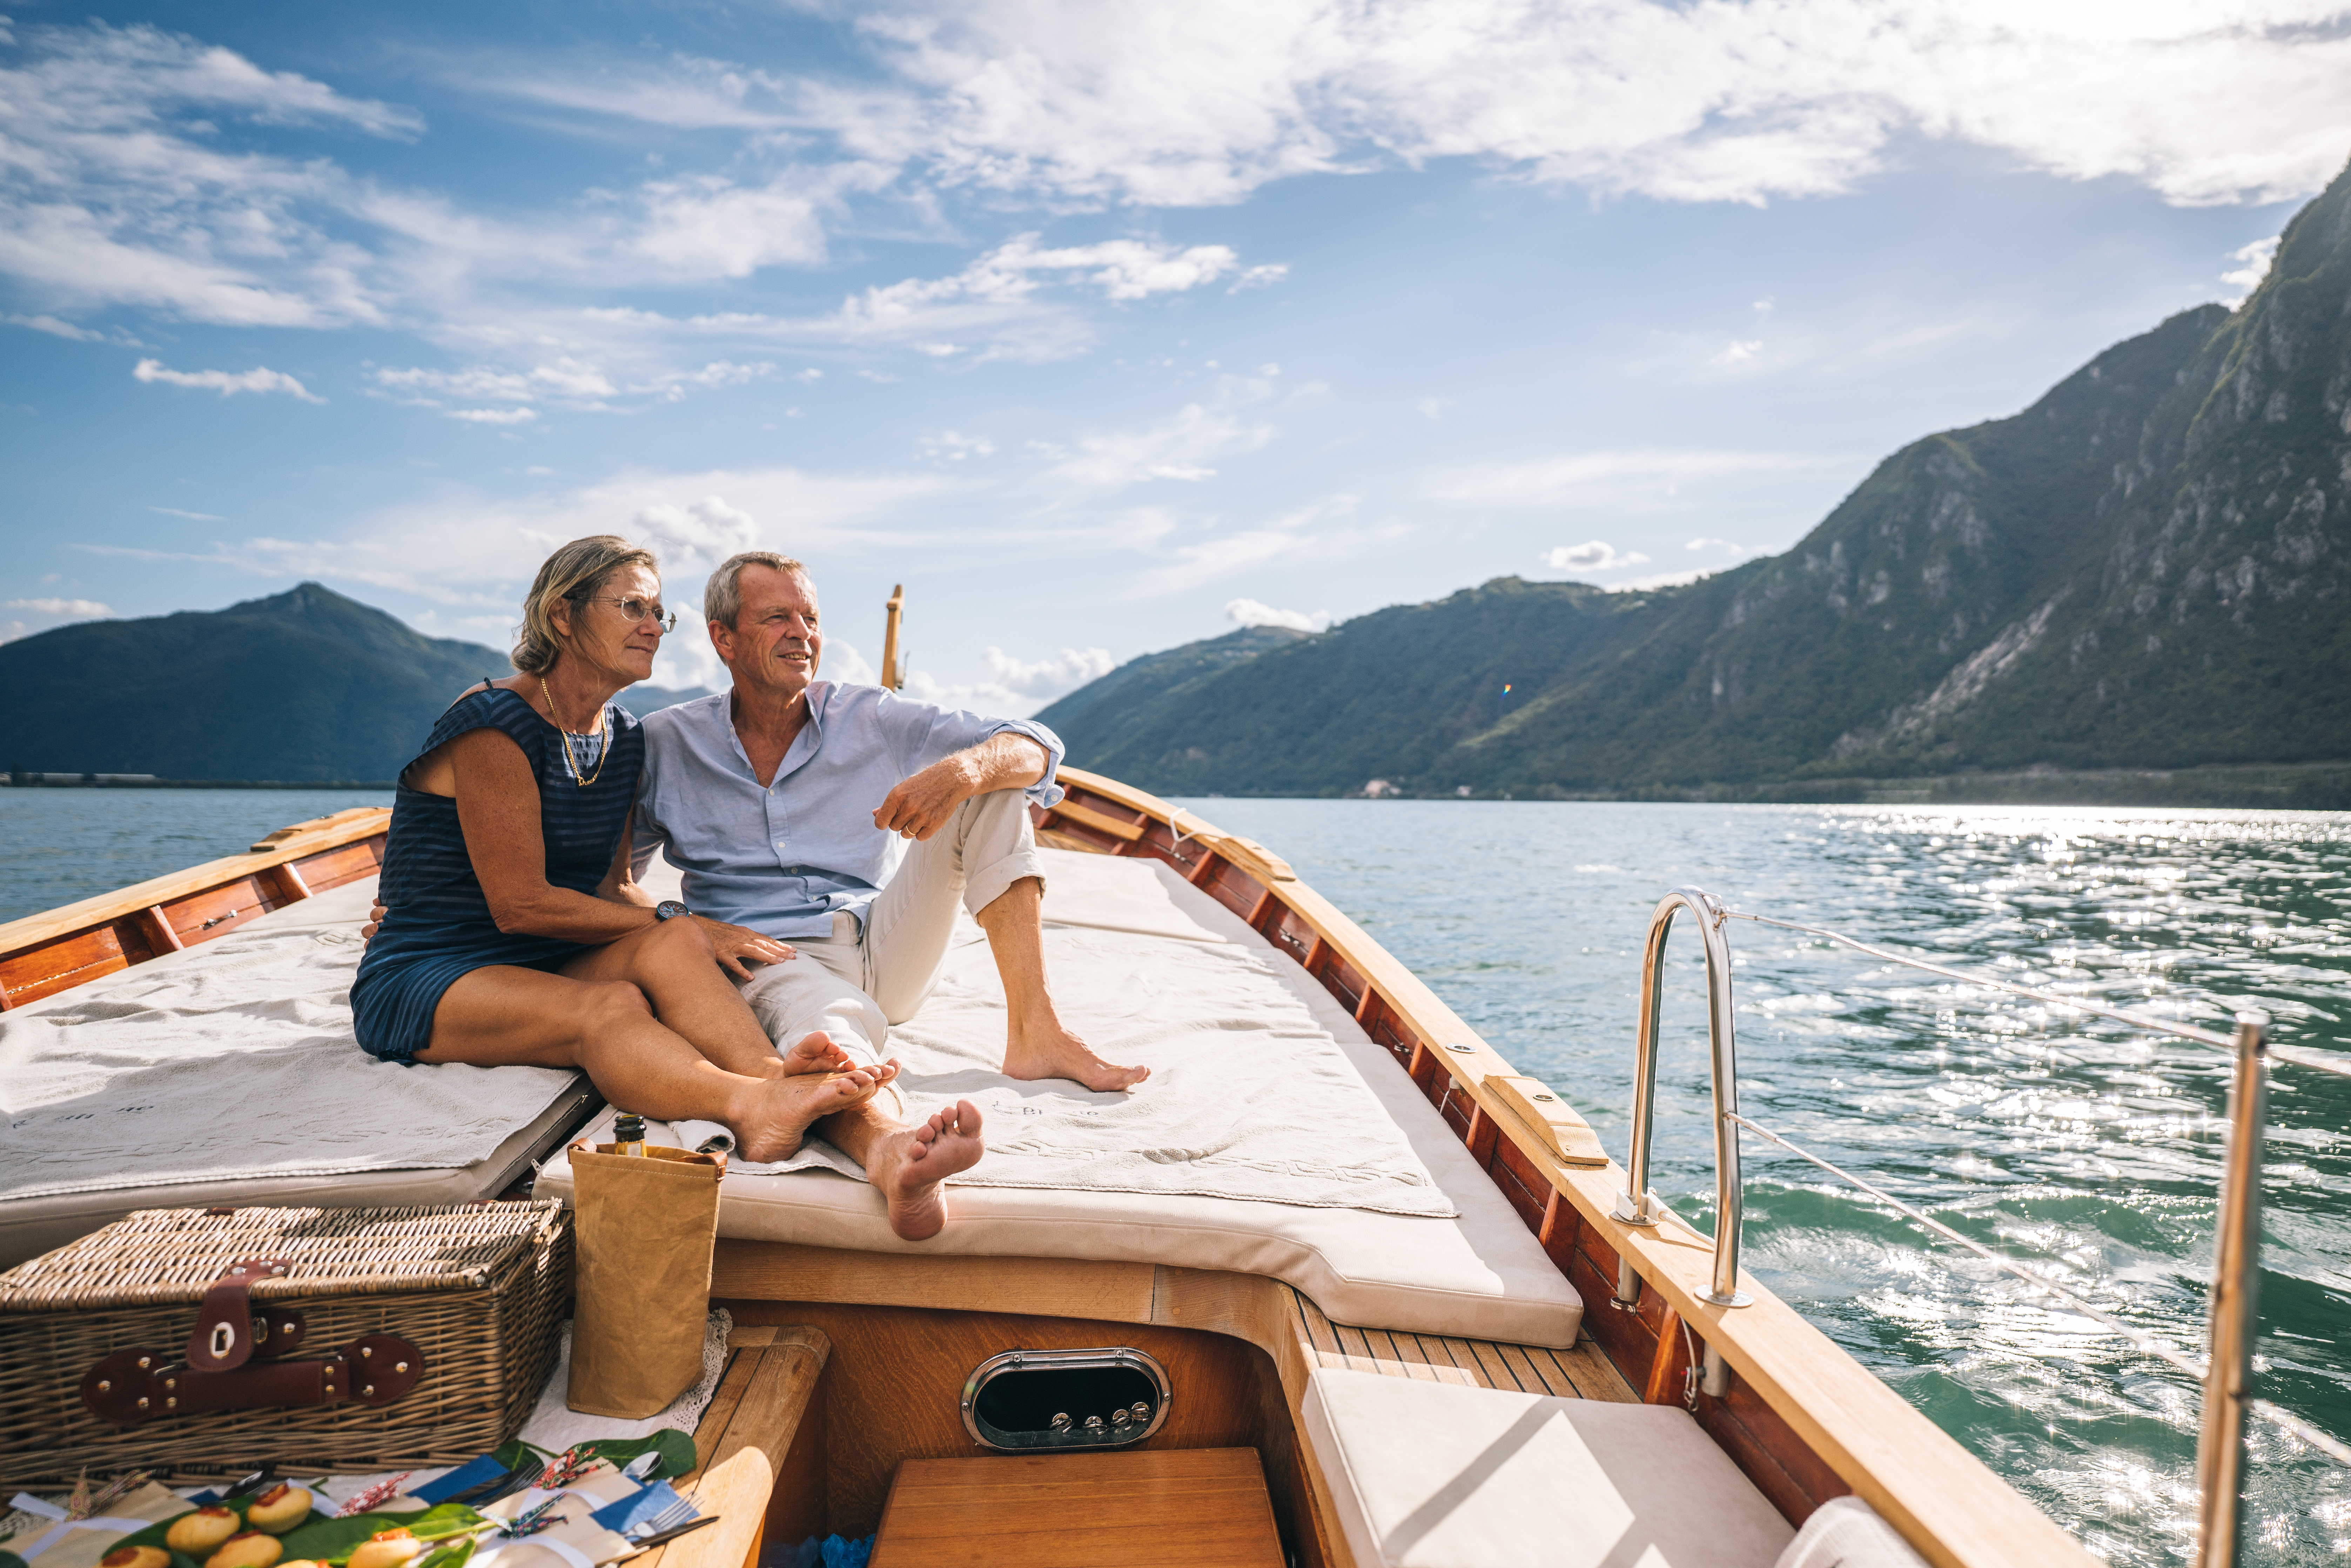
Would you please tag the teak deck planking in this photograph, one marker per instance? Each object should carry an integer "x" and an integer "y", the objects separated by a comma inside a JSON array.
[
  {"x": 1804, "y": 1419},
  {"x": 1172, "y": 1508}
]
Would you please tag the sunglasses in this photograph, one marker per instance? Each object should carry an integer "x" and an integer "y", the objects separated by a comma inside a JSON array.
[{"x": 638, "y": 610}]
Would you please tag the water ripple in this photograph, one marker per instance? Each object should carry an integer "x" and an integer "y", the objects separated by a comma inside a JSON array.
[{"x": 2082, "y": 1145}]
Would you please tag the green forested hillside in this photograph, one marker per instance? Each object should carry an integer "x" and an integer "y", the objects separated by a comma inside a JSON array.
[
  {"x": 2150, "y": 567},
  {"x": 301, "y": 687}
]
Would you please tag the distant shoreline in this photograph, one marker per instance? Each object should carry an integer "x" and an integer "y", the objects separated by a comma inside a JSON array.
[{"x": 27, "y": 780}]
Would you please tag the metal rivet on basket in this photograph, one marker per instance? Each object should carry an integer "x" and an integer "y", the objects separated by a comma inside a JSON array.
[
  {"x": 170, "y": 1383},
  {"x": 144, "y": 1364},
  {"x": 400, "y": 1366},
  {"x": 142, "y": 1402},
  {"x": 366, "y": 1392},
  {"x": 367, "y": 1349},
  {"x": 104, "y": 1386},
  {"x": 170, "y": 1404}
]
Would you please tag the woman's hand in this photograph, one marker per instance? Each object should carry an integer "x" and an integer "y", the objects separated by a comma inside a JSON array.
[
  {"x": 733, "y": 944},
  {"x": 376, "y": 920}
]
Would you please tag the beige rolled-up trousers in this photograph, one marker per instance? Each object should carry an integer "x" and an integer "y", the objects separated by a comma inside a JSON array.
[{"x": 857, "y": 982}]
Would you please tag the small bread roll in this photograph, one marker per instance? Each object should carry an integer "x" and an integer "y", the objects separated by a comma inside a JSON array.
[
  {"x": 279, "y": 1508},
  {"x": 136, "y": 1557},
  {"x": 247, "y": 1549},
  {"x": 384, "y": 1549},
  {"x": 199, "y": 1532}
]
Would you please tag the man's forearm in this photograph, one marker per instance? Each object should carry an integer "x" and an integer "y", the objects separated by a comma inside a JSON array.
[{"x": 1007, "y": 761}]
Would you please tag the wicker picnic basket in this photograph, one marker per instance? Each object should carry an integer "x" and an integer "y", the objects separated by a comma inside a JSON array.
[{"x": 193, "y": 1339}]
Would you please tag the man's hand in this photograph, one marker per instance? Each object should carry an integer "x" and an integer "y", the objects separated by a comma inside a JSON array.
[
  {"x": 375, "y": 919},
  {"x": 733, "y": 944},
  {"x": 920, "y": 805}
]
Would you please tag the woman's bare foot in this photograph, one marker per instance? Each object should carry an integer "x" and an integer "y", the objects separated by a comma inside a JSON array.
[
  {"x": 1049, "y": 1051},
  {"x": 776, "y": 1115},
  {"x": 814, "y": 1053},
  {"x": 908, "y": 1165}
]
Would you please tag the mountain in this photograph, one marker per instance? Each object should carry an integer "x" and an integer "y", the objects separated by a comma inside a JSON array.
[
  {"x": 303, "y": 687},
  {"x": 2150, "y": 568}
]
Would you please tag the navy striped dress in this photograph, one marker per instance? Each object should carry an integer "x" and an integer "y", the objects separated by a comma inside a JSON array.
[{"x": 438, "y": 926}]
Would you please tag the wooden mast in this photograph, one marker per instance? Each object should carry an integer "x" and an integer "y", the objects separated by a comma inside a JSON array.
[{"x": 892, "y": 677}]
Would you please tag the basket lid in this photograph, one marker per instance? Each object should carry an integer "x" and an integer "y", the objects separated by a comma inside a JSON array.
[{"x": 164, "y": 1255}]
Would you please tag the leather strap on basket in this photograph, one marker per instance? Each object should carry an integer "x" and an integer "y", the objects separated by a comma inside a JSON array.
[
  {"x": 227, "y": 1331},
  {"x": 131, "y": 1387}
]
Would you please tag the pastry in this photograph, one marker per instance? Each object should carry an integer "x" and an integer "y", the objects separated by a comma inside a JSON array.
[
  {"x": 136, "y": 1557},
  {"x": 199, "y": 1532},
  {"x": 279, "y": 1508},
  {"x": 384, "y": 1549},
  {"x": 247, "y": 1549}
]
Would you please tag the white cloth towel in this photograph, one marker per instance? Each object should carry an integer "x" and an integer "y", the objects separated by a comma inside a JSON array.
[
  {"x": 235, "y": 1060},
  {"x": 1248, "y": 1097}
]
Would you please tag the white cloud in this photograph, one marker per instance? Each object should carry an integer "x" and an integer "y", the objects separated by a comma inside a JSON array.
[
  {"x": 56, "y": 328},
  {"x": 1014, "y": 687},
  {"x": 1593, "y": 555},
  {"x": 192, "y": 517},
  {"x": 81, "y": 608},
  {"x": 1181, "y": 446},
  {"x": 228, "y": 383},
  {"x": 1433, "y": 407},
  {"x": 494, "y": 415},
  {"x": 1250, "y": 612},
  {"x": 953, "y": 446},
  {"x": 1583, "y": 478},
  {"x": 2252, "y": 266},
  {"x": 1116, "y": 100},
  {"x": 1715, "y": 544},
  {"x": 1739, "y": 352}
]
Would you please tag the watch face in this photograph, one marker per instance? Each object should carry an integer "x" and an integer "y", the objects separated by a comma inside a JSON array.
[{"x": 669, "y": 909}]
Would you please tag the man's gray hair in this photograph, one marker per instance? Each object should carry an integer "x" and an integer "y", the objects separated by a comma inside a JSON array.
[{"x": 722, "y": 598}]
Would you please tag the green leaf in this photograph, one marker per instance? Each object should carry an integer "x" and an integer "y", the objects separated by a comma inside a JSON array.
[{"x": 333, "y": 1539}]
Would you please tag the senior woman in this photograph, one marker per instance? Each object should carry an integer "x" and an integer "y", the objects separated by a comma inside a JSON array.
[{"x": 510, "y": 930}]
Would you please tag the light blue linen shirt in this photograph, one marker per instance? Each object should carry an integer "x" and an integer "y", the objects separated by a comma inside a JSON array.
[{"x": 783, "y": 859}]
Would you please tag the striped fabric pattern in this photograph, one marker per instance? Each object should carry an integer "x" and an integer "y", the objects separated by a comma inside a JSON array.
[{"x": 438, "y": 926}]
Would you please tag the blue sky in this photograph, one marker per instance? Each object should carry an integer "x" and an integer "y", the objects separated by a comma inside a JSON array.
[{"x": 1102, "y": 325}]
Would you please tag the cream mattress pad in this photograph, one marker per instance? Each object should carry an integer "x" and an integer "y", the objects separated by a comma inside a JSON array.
[
  {"x": 227, "y": 1073},
  {"x": 1477, "y": 1272}
]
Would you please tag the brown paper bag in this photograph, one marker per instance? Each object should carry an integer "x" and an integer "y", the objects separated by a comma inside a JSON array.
[{"x": 645, "y": 1229}]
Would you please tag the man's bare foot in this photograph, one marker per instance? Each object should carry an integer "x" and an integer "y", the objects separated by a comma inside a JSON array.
[
  {"x": 908, "y": 1165},
  {"x": 776, "y": 1115},
  {"x": 1052, "y": 1051}
]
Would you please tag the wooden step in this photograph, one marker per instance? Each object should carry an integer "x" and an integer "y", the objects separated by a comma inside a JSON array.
[{"x": 1175, "y": 1508}]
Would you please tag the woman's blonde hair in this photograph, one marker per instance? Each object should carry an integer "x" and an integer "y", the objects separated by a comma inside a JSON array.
[{"x": 574, "y": 572}]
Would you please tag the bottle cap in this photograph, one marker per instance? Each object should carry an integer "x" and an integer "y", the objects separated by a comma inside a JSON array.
[{"x": 629, "y": 1128}]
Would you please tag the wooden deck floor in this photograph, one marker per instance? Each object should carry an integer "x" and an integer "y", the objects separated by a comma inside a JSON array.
[{"x": 1581, "y": 1373}]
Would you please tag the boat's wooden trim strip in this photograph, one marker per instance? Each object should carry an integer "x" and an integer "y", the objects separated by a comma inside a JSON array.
[
  {"x": 1803, "y": 1417},
  {"x": 42, "y": 954}
]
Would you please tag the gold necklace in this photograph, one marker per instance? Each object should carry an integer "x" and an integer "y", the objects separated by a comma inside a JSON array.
[{"x": 602, "y": 758}]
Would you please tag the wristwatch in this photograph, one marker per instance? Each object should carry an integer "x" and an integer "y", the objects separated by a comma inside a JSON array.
[{"x": 670, "y": 909}]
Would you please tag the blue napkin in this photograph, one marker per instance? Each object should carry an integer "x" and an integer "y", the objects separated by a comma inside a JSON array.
[
  {"x": 471, "y": 1474},
  {"x": 640, "y": 1507}
]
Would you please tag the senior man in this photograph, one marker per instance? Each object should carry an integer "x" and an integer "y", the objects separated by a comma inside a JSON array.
[{"x": 788, "y": 802}]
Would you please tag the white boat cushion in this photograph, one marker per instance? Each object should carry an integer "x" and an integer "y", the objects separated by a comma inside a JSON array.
[
  {"x": 1846, "y": 1532},
  {"x": 1479, "y": 1274},
  {"x": 1433, "y": 1475},
  {"x": 227, "y": 1073}
]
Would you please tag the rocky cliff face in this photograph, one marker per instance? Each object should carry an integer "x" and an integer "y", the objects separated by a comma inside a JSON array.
[{"x": 2147, "y": 568}]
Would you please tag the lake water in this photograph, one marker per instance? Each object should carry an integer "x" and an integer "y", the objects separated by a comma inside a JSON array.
[{"x": 2091, "y": 1149}]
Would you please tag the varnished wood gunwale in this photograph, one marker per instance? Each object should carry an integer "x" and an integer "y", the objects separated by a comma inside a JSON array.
[
  {"x": 1803, "y": 1418},
  {"x": 42, "y": 954}
]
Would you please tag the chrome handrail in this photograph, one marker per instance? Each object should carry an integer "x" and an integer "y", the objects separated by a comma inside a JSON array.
[
  {"x": 1637, "y": 1205},
  {"x": 2233, "y": 1320}
]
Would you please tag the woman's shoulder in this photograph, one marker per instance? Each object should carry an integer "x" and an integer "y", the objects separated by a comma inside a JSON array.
[{"x": 486, "y": 705}]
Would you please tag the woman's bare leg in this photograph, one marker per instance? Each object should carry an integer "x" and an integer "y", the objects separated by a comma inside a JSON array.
[
  {"x": 907, "y": 1164},
  {"x": 675, "y": 966},
  {"x": 503, "y": 1016}
]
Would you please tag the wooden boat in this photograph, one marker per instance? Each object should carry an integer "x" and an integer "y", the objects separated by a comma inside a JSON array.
[{"x": 853, "y": 1366}]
